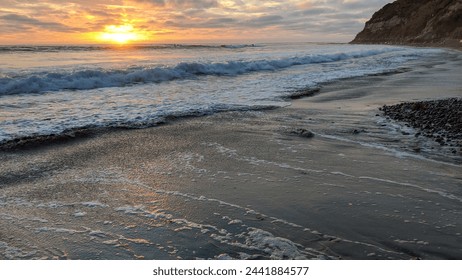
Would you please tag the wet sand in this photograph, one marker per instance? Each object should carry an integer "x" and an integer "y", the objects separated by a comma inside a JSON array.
[{"x": 248, "y": 185}]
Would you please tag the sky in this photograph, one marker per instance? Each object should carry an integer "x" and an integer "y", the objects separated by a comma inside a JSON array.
[{"x": 182, "y": 21}]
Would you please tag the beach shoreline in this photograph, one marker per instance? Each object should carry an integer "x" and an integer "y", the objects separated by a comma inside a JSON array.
[{"x": 326, "y": 178}]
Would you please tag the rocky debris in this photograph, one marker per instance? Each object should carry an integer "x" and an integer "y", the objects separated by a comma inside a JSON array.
[
  {"x": 440, "y": 120},
  {"x": 308, "y": 92},
  {"x": 424, "y": 22},
  {"x": 358, "y": 131},
  {"x": 302, "y": 133}
]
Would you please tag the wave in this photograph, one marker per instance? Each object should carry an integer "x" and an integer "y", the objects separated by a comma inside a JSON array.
[
  {"x": 63, "y": 133},
  {"x": 103, "y": 78}
]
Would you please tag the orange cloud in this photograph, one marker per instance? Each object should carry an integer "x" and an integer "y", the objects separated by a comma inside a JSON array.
[{"x": 80, "y": 21}]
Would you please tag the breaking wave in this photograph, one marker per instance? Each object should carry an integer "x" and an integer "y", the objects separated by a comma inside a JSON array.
[{"x": 85, "y": 79}]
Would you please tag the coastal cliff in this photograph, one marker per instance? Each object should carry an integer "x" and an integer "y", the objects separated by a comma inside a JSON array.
[{"x": 410, "y": 22}]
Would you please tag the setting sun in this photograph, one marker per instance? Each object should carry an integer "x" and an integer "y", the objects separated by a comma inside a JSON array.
[{"x": 120, "y": 34}]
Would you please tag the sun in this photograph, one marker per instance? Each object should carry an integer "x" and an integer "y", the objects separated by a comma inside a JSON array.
[{"x": 120, "y": 34}]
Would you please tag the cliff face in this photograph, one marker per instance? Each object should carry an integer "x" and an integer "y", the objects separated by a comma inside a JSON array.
[{"x": 423, "y": 22}]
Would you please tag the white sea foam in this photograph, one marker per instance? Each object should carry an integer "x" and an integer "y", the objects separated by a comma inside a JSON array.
[
  {"x": 80, "y": 214},
  {"x": 85, "y": 79},
  {"x": 93, "y": 204},
  {"x": 58, "y": 230},
  {"x": 418, "y": 242},
  {"x": 391, "y": 150},
  {"x": 140, "y": 209},
  {"x": 231, "y": 153},
  {"x": 13, "y": 253},
  {"x": 278, "y": 247},
  {"x": 225, "y": 237},
  {"x": 51, "y": 205},
  {"x": 440, "y": 192}
]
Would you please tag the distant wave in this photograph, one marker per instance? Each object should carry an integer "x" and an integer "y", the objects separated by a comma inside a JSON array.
[
  {"x": 83, "y": 48},
  {"x": 101, "y": 78}
]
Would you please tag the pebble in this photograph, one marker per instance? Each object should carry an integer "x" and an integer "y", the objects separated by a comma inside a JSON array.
[
  {"x": 303, "y": 133},
  {"x": 440, "y": 120}
]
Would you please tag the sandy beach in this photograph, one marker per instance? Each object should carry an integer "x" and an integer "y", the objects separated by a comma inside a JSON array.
[{"x": 328, "y": 177}]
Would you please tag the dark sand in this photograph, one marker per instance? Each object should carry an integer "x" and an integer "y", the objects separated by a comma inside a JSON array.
[{"x": 250, "y": 185}]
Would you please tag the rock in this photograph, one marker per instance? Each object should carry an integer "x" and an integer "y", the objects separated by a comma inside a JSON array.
[
  {"x": 438, "y": 119},
  {"x": 424, "y": 22},
  {"x": 303, "y": 133},
  {"x": 358, "y": 131}
]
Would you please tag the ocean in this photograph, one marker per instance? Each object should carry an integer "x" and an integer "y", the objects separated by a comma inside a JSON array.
[
  {"x": 326, "y": 176},
  {"x": 50, "y": 90}
]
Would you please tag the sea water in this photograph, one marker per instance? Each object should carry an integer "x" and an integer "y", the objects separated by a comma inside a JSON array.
[
  {"x": 346, "y": 193},
  {"x": 48, "y": 90}
]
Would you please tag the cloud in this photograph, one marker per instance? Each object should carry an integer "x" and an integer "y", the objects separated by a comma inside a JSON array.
[
  {"x": 25, "y": 22},
  {"x": 258, "y": 19},
  {"x": 263, "y": 21},
  {"x": 341, "y": 18},
  {"x": 188, "y": 4},
  {"x": 157, "y": 3}
]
